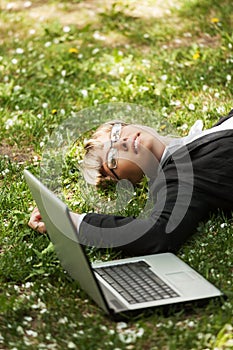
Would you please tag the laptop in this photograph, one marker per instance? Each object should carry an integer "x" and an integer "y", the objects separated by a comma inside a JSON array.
[{"x": 118, "y": 286}]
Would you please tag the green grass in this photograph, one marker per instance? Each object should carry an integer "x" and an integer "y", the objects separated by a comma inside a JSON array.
[{"x": 179, "y": 65}]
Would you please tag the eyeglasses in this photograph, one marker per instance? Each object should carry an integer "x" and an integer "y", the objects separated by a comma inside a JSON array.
[{"x": 113, "y": 152}]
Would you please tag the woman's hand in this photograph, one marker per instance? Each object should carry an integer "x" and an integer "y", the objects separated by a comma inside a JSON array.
[{"x": 35, "y": 221}]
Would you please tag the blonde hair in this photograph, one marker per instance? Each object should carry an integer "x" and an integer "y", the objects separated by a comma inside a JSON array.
[{"x": 92, "y": 162}]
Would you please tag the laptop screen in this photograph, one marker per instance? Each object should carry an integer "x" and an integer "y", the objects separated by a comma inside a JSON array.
[{"x": 62, "y": 233}]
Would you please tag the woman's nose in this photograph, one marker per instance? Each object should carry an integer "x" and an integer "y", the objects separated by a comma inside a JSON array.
[{"x": 124, "y": 144}]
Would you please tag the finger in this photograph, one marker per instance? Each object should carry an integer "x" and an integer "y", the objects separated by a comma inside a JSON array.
[
  {"x": 35, "y": 213},
  {"x": 41, "y": 227},
  {"x": 33, "y": 222},
  {"x": 35, "y": 210}
]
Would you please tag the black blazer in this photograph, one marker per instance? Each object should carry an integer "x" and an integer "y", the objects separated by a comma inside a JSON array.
[{"x": 194, "y": 181}]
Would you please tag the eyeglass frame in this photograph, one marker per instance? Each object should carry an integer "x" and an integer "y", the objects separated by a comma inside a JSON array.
[{"x": 113, "y": 152}]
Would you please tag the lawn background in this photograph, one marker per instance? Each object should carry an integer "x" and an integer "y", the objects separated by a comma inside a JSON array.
[{"x": 57, "y": 58}]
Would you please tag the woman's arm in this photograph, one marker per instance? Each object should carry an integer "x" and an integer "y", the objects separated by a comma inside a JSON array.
[{"x": 37, "y": 224}]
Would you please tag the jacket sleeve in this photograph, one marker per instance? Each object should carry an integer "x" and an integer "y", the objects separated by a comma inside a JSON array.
[{"x": 171, "y": 221}]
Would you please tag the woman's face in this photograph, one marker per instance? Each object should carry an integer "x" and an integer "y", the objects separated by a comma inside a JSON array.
[{"x": 136, "y": 152}]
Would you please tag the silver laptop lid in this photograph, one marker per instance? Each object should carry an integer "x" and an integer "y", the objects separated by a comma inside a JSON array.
[{"x": 62, "y": 233}]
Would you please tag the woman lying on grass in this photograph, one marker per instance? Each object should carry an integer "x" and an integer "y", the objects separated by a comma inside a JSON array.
[{"x": 189, "y": 178}]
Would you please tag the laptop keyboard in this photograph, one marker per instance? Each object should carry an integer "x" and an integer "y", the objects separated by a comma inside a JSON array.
[{"x": 136, "y": 282}]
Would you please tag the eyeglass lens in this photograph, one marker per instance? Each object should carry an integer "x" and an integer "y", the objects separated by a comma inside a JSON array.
[
  {"x": 113, "y": 152},
  {"x": 115, "y": 133}
]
